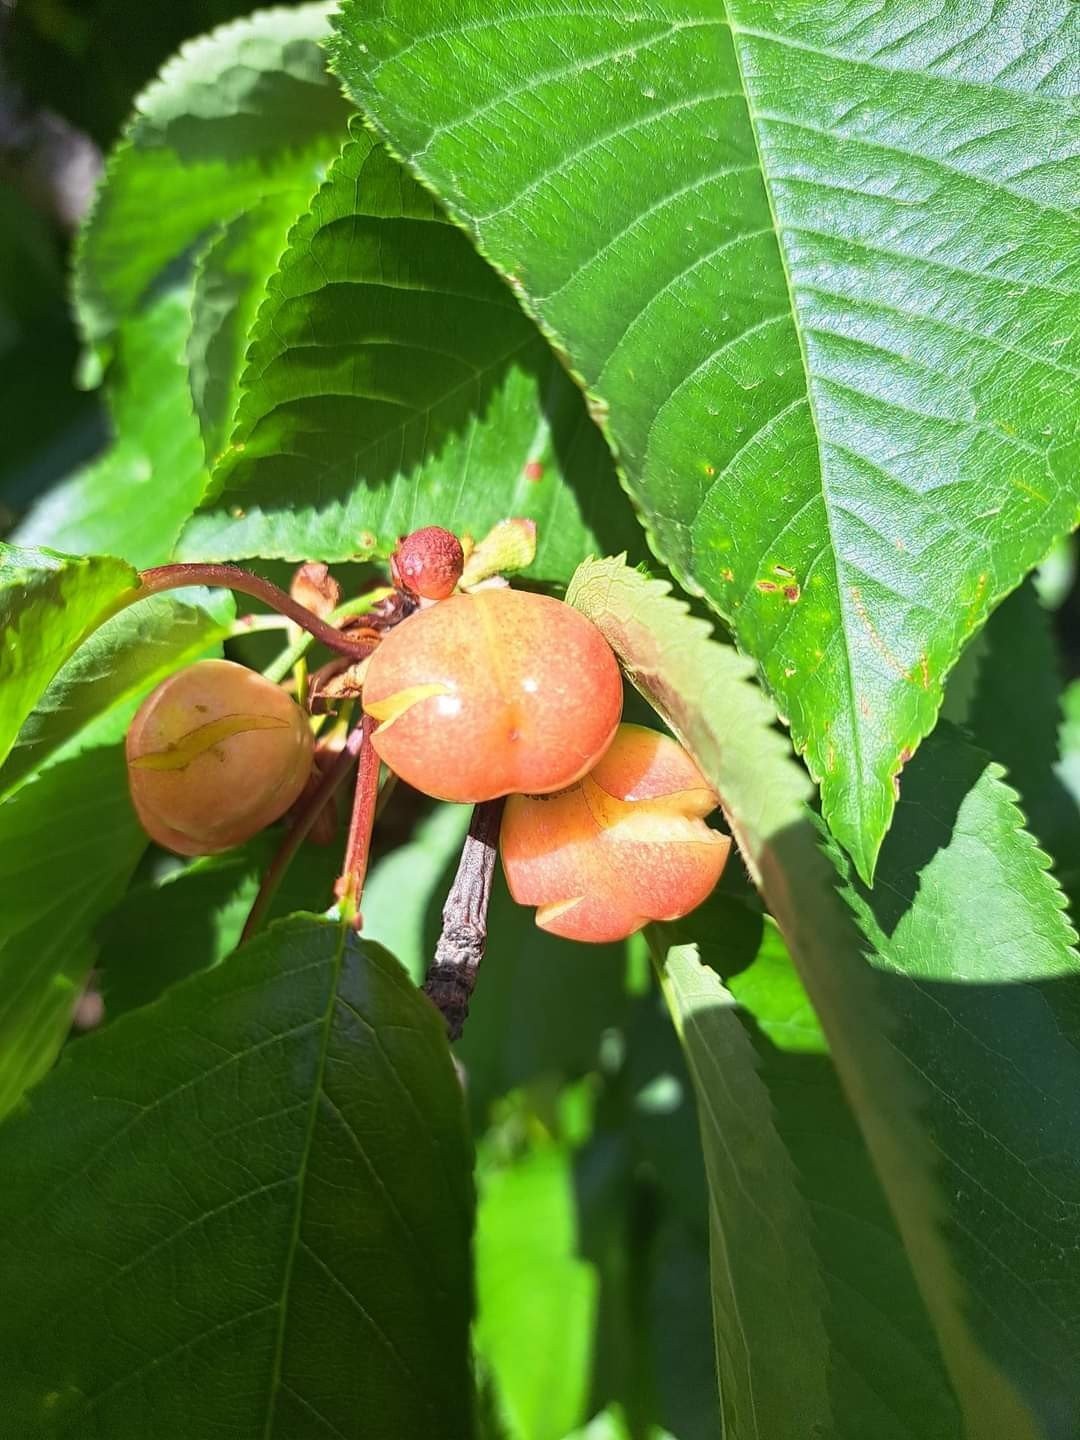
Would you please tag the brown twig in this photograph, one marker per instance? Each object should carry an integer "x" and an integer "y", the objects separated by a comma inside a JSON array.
[
  {"x": 350, "y": 884},
  {"x": 450, "y": 981},
  {"x": 231, "y": 577},
  {"x": 301, "y": 826}
]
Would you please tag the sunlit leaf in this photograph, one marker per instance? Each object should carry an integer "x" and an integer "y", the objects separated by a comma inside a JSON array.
[
  {"x": 921, "y": 1034},
  {"x": 783, "y": 1150},
  {"x": 768, "y": 1293},
  {"x": 230, "y": 284},
  {"x": 816, "y": 266},
  {"x": 235, "y": 116},
  {"x": 123, "y": 658},
  {"x": 48, "y": 604},
  {"x": 242, "y": 120},
  {"x": 392, "y": 382}
]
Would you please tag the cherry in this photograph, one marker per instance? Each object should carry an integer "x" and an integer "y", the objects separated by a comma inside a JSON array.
[
  {"x": 215, "y": 753},
  {"x": 428, "y": 563},
  {"x": 493, "y": 692},
  {"x": 626, "y": 845}
]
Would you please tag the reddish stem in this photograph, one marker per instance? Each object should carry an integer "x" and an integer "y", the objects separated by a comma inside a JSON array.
[
  {"x": 350, "y": 885},
  {"x": 301, "y": 827},
  {"x": 174, "y": 577}
]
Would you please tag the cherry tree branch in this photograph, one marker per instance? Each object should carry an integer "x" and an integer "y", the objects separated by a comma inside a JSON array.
[
  {"x": 450, "y": 981},
  {"x": 232, "y": 577}
]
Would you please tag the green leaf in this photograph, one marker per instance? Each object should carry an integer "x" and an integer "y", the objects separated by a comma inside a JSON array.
[
  {"x": 815, "y": 266},
  {"x": 393, "y": 382},
  {"x": 407, "y": 888},
  {"x": 768, "y": 1294},
  {"x": 48, "y": 604},
  {"x": 122, "y": 659},
  {"x": 230, "y": 284},
  {"x": 982, "y": 1175},
  {"x": 69, "y": 841},
  {"x": 782, "y": 1149},
  {"x": 243, "y": 118},
  {"x": 541, "y": 1006},
  {"x": 959, "y": 869},
  {"x": 536, "y": 1299},
  {"x": 273, "y": 1167},
  {"x": 160, "y": 933},
  {"x": 133, "y": 500},
  {"x": 1015, "y": 714},
  {"x": 238, "y": 115},
  {"x": 1069, "y": 769}
]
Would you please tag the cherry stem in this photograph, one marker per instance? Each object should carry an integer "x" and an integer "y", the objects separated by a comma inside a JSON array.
[
  {"x": 349, "y": 887},
  {"x": 174, "y": 577},
  {"x": 301, "y": 827},
  {"x": 450, "y": 981},
  {"x": 359, "y": 605}
]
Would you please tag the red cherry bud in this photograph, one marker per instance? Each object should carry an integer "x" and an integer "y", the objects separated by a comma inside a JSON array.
[{"x": 428, "y": 563}]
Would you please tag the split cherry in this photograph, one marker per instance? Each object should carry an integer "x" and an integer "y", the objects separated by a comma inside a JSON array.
[
  {"x": 215, "y": 753},
  {"x": 626, "y": 845}
]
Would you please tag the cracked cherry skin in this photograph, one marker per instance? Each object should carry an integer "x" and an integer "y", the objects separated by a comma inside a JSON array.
[
  {"x": 215, "y": 754},
  {"x": 493, "y": 692},
  {"x": 626, "y": 845}
]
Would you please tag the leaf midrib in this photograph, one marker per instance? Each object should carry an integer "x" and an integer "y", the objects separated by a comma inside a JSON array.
[
  {"x": 864, "y": 863},
  {"x": 305, "y": 1156}
]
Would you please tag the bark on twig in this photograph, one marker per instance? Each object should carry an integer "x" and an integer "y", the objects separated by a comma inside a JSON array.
[{"x": 452, "y": 977}]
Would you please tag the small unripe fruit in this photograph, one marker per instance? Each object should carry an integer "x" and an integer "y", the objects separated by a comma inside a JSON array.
[
  {"x": 428, "y": 563},
  {"x": 215, "y": 754},
  {"x": 626, "y": 845},
  {"x": 493, "y": 692}
]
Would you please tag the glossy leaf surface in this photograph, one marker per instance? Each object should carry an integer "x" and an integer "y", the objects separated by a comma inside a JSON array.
[
  {"x": 236, "y": 115},
  {"x": 243, "y": 119},
  {"x": 273, "y": 1165},
  {"x": 120, "y": 660},
  {"x": 820, "y": 290},
  {"x": 795, "y": 1206},
  {"x": 48, "y": 603},
  {"x": 393, "y": 382},
  {"x": 957, "y": 867}
]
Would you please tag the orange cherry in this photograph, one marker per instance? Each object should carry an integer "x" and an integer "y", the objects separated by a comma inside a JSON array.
[
  {"x": 493, "y": 692},
  {"x": 625, "y": 845}
]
